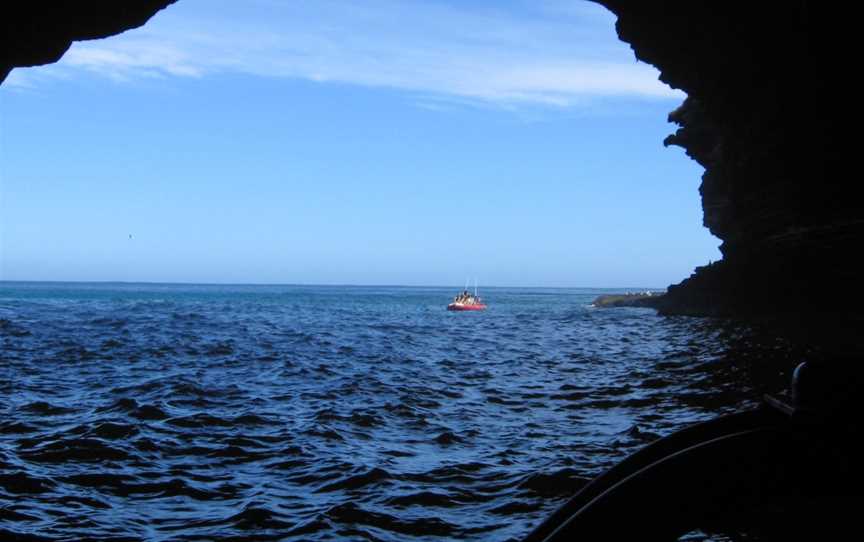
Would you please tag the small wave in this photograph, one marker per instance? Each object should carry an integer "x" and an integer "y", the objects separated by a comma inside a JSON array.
[
  {"x": 613, "y": 390},
  {"x": 97, "y": 480},
  {"x": 146, "y": 445},
  {"x": 177, "y": 487},
  {"x": 245, "y": 442},
  {"x": 199, "y": 421},
  {"x": 641, "y": 435},
  {"x": 125, "y": 485},
  {"x": 251, "y": 420},
  {"x": 406, "y": 411},
  {"x": 161, "y": 352},
  {"x": 351, "y": 483},
  {"x": 655, "y": 383},
  {"x": 80, "y": 500},
  {"x": 18, "y": 536},
  {"x": 75, "y": 449},
  {"x": 310, "y": 527},
  {"x": 561, "y": 482},
  {"x": 418, "y": 399},
  {"x": 602, "y": 404},
  {"x": 450, "y": 474},
  {"x": 447, "y": 438},
  {"x": 22, "y": 483},
  {"x": 11, "y": 329},
  {"x": 258, "y": 517},
  {"x": 75, "y": 353},
  {"x": 112, "y": 431},
  {"x": 149, "y": 412},
  {"x": 497, "y": 400},
  {"x": 358, "y": 418},
  {"x": 144, "y": 388},
  {"x": 225, "y": 348},
  {"x": 514, "y": 508},
  {"x": 290, "y": 465},
  {"x": 44, "y": 408},
  {"x": 350, "y": 513},
  {"x": 326, "y": 434},
  {"x": 239, "y": 454},
  {"x": 125, "y": 404},
  {"x": 572, "y": 396},
  {"x": 115, "y": 323},
  {"x": 187, "y": 316},
  {"x": 399, "y": 453},
  {"x": 423, "y": 498},
  {"x": 16, "y": 428}
]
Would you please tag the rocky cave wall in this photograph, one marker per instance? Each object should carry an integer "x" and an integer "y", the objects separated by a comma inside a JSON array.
[{"x": 758, "y": 117}]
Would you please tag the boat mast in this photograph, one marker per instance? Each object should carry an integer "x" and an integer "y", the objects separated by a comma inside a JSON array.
[{"x": 475, "y": 286}]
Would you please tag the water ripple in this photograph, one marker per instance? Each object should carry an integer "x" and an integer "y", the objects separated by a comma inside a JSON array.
[{"x": 160, "y": 412}]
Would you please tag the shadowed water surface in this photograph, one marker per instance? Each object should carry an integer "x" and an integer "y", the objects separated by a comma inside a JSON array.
[{"x": 184, "y": 412}]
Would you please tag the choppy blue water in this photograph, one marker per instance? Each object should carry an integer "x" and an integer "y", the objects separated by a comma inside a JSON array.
[{"x": 186, "y": 412}]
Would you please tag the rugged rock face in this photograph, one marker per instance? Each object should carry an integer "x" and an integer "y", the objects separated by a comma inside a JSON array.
[
  {"x": 40, "y": 31},
  {"x": 757, "y": 118}
]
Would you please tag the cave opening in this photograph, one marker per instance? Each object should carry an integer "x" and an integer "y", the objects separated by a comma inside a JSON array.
[
  {"x": 523, "y": 158},
  {"x": 167, "y": 148}
]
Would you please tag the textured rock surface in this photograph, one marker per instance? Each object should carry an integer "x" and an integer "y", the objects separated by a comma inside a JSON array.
[
  {"x": 756, "y": 75},
  {"x": 644, "y": 300},
  {"x": 39, "y": 31}
]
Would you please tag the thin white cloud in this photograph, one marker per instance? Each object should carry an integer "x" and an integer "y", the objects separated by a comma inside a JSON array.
[
  {"x": 554, "y": 52},
  {"x": 134, "y": 56},
  {"x": 19, "y": 79}
]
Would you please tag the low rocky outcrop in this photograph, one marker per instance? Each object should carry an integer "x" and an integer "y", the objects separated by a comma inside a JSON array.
[{"x": 644, "y": 299}]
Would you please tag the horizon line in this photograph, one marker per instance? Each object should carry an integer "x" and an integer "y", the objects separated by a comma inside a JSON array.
[{"x": 331, "y": 285}]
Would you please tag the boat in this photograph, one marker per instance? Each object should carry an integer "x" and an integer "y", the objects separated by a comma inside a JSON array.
[
  {"x": 476, "y": 306},
  {"x": 465, "y": 301}
]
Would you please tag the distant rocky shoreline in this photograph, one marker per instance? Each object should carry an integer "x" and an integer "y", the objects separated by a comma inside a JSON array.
[{"x": 642, "y": 299}]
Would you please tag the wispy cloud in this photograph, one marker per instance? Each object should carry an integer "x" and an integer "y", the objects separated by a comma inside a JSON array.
[{"x": 554, "y": 52}]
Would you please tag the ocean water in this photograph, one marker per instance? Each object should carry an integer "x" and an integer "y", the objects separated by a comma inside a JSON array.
[{"x": 202, "y": 412}]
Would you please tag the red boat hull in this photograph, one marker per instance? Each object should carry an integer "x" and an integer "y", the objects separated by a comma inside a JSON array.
[{"x": 464, "y": 307}]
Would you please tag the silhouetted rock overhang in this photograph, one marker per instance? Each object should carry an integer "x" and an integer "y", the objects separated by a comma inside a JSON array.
[{"x": 36, "y": 32}]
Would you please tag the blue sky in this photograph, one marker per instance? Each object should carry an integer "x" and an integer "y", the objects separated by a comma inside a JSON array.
[{"x": 336, "y": 142}]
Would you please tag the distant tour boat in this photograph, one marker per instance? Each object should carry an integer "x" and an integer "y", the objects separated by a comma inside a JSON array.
[
  {"x": 457, "y": 306},
  {"x": 467, "y": 302}
]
